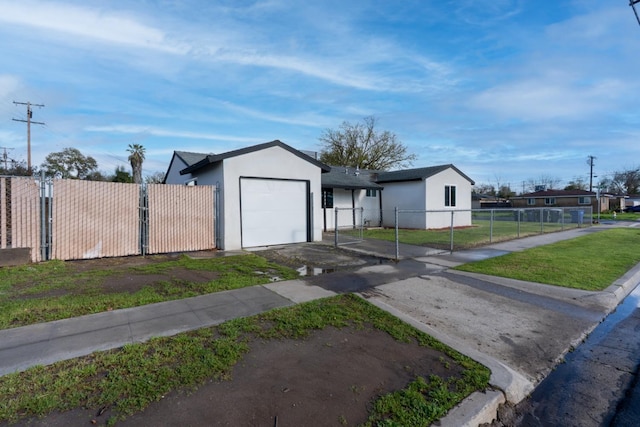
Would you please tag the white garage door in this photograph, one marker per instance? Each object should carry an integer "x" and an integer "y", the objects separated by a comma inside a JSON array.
[{"x": 273, "y": 211}]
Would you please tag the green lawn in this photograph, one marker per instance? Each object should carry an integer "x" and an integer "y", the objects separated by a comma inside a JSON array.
[
  {"x": 130, "y": 378},
  {"x": 58, "y": 290},
  {"x": 480, "y": 233},
  {"x": 590, "y": 262}
]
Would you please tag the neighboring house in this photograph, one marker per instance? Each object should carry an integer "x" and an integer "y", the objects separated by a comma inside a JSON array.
[
  {"x": 350, "y": 189},
  {"x": 437, "y": 189},
  {"x": 487, "y": 201},
  {"x": 630, "y": 201},
  {"x": 268, "y": 193},
  {"x": 556, "y": 199},
  {"x": 181, "y": 160}
]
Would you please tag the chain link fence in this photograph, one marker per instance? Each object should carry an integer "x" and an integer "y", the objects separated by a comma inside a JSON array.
[
  {"x": 74, "y": 219},
  {"x": 411, "y": 233}
]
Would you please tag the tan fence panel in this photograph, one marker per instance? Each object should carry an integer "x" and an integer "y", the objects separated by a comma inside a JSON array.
[
  {"x": 25, "y": 215},
  {"x": 181, "y": 218},
  {"x": 95, "y": 219},
  {"x": 4, "y": 225}
]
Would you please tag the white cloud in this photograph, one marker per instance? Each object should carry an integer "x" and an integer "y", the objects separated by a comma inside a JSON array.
[
  {"x": 169, "y": 133},
  {"x": 106, "y": 26},
  {"x": 539, "y": 99},
  {"x": 8, "y": 85}
]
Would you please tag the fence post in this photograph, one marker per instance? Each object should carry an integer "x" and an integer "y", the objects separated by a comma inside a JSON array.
[
  {"x": 144, "y": 219},
  {"x": 43, "y": 215},
  {"x": 491, "y": 227},
  {"x": 361, "y": 223},
  {"x": 216, "y": 214},
  {"x": 335, "y": 227},
  {"x": 397, "y": 236},
  {"x": 542, "y": 221},
  {"x": 518, "y": 212},
  {"x": 451, "y": 234}
]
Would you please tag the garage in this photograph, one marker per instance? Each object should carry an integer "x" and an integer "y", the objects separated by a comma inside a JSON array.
[{"x": 273, "y": 211}]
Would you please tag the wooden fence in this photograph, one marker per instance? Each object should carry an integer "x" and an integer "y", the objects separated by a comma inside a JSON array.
[{"x": 71, "y": 219}]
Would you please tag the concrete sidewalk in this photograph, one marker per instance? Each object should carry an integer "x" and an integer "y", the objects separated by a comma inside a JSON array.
[{"x": 46, "y": 343}]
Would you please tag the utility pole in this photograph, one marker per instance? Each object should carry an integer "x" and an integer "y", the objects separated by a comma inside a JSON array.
[
  {"x": 590, "y": 160},
  {"x": 28, "y": 122},
  {"x": 5, "y": 157},
  {"x": 633, "y": 3}
]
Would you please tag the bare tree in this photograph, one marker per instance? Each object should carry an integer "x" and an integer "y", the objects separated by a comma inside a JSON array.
[
  {"x": 546, "y": 182},
  {"x": 577, "y": 183},
  {"x": 155, "y": 178},
  {"x": 624, "y": 182},
  {"x": 361, "y": 145}
]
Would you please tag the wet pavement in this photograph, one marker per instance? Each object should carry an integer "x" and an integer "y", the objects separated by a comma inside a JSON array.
[{"x": 590, "y": 386}]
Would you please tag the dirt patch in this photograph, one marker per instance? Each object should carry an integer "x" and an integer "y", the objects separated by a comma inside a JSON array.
[{"x": 329, "y": 379}]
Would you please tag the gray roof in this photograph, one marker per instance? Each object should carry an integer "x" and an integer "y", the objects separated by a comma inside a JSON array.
[
  {"x": 417, "y": 174},
  {"x": 346, "y": 178},
  {"x": 190, "y": 158},
  {"x": 215, "y": 158}
]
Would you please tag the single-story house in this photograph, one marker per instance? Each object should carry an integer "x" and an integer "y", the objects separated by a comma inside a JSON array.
[
  {"x": 438, "y": 189},
  {"x": 272, "y": 194},
  {"x": 556, "y": 199},
  {"x": 487, "y": 201},
  {"x": 268, "y": 193}
]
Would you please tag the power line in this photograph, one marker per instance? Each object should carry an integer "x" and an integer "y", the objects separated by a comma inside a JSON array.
[{"x": 28, "y": 122}]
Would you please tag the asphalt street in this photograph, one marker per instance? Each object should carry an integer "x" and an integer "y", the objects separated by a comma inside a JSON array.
[{"x": 597, "y": 384}]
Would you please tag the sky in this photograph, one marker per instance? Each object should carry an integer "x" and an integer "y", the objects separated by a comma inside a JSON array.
[{"x": 509, "y": 91}]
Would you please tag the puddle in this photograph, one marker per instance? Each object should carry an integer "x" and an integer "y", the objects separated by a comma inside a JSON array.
[{"x": 313, "y": 271}]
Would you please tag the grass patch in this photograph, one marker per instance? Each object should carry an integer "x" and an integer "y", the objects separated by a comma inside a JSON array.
[
  {"x": 128, "y": 379},
  {"x": 590, "y": 262},
  {"x": 58, "y": 290},
  {"x": 480, "y": 233},
  {"x": 621, "y": 216}
]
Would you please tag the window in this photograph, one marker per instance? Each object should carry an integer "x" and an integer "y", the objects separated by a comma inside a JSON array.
[
  {"x": 549, "y": 200},
  {"x": 449, "y": 195},
  {"x": 372, "y": 192},
  {"x": 531, "y": 201},
  {"x": 584, "y": 200},
  {"x": 327, "y": 198}
]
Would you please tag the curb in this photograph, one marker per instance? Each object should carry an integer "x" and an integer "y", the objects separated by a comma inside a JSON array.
[{"x": 479, "y": 407}]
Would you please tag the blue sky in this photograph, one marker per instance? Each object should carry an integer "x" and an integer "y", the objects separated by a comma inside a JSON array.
[{"x": 507, "y": 90}]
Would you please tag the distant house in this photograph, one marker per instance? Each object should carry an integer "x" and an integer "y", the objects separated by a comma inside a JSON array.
[
  {"x": 268, "y": 193},
  {"x": 557, "y": 199},
  {"x": 487, "y": 201}
]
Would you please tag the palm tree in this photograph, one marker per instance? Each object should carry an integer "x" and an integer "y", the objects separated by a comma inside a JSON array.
[{"x": 136, "y": 158}]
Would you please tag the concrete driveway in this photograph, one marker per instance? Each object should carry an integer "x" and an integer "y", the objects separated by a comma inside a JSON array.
[{"x": 520, "y": 330}]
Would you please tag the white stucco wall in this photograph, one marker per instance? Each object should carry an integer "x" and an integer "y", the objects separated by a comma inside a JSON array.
[
  {"x": 343, "y": 199},
  {"x": 273, "y": 162},
  {"x": 435, "y": 200},
  {"x": 427, "y": 195}
]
